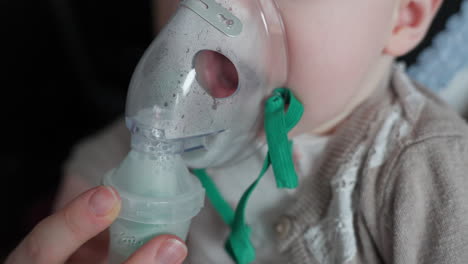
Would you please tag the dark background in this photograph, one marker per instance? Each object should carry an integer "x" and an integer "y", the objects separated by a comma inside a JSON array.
[{"x": 64, "y": 70}]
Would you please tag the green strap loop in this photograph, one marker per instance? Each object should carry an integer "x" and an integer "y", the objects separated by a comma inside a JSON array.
[{"x": 278, "y": 123}]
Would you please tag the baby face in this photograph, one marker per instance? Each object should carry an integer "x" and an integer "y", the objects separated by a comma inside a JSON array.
[
  {"x": 335, "y": 50},
  {"x": 335, "y": 54}
]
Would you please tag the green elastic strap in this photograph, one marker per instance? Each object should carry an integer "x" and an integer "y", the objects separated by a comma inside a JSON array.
[{"x": 278, "y": 122}]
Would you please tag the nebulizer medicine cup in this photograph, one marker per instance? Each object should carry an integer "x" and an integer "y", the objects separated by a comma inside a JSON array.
[{"x": 159, "y": 196}]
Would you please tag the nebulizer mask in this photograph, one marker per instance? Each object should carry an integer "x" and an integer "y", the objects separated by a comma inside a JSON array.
[{"x": 197, "y": 100}]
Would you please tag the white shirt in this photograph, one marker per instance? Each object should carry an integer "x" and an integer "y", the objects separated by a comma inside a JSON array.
[{"x": 208, "y": 232}]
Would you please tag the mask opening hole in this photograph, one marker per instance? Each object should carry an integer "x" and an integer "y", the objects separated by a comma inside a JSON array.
[{"x": 216, "y": 73}]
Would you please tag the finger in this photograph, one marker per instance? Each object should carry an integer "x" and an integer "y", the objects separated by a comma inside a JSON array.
[
  {"x": 55, "y": 238},
  {"x": 165, "y": 249}
]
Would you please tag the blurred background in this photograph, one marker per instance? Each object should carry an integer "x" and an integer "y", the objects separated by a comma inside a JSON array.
[{"x": 64, "y": 70}]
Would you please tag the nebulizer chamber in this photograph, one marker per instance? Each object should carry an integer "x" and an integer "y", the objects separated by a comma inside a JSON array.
[{"x": 182, "y": 112}]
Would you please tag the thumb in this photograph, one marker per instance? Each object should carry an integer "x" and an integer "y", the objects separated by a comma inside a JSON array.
[{"x": 164, "y": 249}]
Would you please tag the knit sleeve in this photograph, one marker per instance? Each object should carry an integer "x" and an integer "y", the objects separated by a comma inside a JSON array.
[{"x": 424, "y": 217}]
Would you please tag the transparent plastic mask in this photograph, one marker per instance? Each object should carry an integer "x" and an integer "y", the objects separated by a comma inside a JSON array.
[{"x": 202, "y": 82}]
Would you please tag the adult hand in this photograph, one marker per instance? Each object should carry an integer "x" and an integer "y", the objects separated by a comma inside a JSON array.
[{"x": 58, "y": 236}]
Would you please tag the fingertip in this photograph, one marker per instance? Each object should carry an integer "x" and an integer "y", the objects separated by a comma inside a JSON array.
[
  {"x": 114, "y": 212},
  {"x": 114, "y": 191},
  {"x": 105, "y": 203},
  {"x": 166, "y": 237},
  {"x": 164, "y": 249},
  {"x": 171, "y": 251}
]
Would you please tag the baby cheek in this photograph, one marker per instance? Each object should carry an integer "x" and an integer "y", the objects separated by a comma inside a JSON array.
[
  {"x": 325, "y": 79},
  {"x": 330, "y": 65}
]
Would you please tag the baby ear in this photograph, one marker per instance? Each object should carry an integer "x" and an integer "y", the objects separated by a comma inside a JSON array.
[{"x": 413, "y": 20}]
